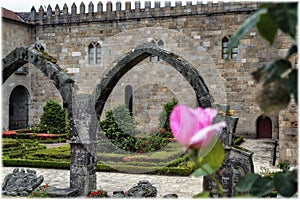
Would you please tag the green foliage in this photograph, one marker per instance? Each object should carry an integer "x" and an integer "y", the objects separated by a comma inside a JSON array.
[
  {"x": 204, "y": 194},
  {"x": 279, "y": 78},
  {"x": 284, "y": 165},
  {"x": 211, "y": 162},
  {"x": 267, "y": 185},
  {"x": 164, "y": 116},
  {"x": 120, "y": 127},
  {"x": 150, "y": 143},
  {"x": 289, "y": 188},
  {"x": 238, "y": 140},
  {"x": 53, "y": 119},
  {"x": 41, "y": 191},
  {"x": 36, "y": 163}
]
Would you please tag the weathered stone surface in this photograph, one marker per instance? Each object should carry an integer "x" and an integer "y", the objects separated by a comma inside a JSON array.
[
  {"x": 118, "y": 194},
  {"x": 237, "y": 161},
  {"x": 171, "y": 196},
  {"x": 21, "y": 183},
  {"x": 62, "y": 192},
  {"x": 144, "y": 189}
]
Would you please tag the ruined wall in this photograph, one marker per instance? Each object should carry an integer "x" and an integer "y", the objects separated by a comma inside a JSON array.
[
  {"x": 194, "y": 32},
  {"x": 16, "y": 34}
]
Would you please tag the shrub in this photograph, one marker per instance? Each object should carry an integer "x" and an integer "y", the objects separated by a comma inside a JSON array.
[
  {"x": 150, "y": 143},
  {"x": 53, "y": 119},
  {"x": 164, "y": 116},
  {"x": 120, "y": 127},
  {"x": 41, "y": 191}
]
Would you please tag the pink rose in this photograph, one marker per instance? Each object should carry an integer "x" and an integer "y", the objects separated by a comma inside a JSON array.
[{"x": 192, "y": 128}]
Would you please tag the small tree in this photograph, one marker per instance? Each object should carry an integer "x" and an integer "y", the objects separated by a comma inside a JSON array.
[
  {"x": 53, "y": 119},
  {"x": 164, "y": 116},
  {"x": 120, "y": 127}
]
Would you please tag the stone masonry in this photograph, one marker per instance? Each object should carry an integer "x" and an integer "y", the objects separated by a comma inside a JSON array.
[{"x": 192, "y": 34}]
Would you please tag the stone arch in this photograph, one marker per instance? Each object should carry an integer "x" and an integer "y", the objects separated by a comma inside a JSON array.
[
  {"x": 43, "y": 62},
  {"x": 132, "y": 58},
  {"x": 18, "y": 108}
]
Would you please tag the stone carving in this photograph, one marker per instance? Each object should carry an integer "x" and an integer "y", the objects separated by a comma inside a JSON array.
[
  {"x": 142, "y": 190},
  {"x": 20, "y": 183},
  {"x": 237, "y": 161}
]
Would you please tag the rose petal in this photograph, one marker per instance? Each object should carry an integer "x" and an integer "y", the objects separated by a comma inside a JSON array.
[
  {"x": 204, "y": 136},
  {"x": 183, "y": 123}
]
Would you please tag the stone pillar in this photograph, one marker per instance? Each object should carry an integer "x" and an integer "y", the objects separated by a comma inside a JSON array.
[
  {"x": 83, "y": 144},
  {"x": 237, "y": 161}
]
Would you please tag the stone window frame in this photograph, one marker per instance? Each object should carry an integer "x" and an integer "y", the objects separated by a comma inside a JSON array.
[
  {"x": 160, "y": 44},
  {"x": 234, "y": 52},
  {"x": 94, "y": 52}
]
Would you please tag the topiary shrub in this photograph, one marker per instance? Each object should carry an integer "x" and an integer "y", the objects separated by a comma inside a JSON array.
[
  {"x": 164, "y": 116},
  {"x": 53, "y": 119},
  {"x": 120, "y": 127}
]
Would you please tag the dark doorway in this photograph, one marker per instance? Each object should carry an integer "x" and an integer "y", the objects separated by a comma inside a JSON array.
[
  {"x": 18, "y": 108},
  {"x": 264, "y": 127}
]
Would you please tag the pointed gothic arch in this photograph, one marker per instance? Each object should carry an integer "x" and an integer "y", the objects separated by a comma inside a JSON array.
[
  {"x": 45, "y": 63},
  {"x": 131, "y": 59}
]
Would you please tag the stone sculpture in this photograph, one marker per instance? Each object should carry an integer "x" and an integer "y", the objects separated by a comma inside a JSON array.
[
  {"x": 142, "y": 190},
  {"x": 20, "y": 183}
]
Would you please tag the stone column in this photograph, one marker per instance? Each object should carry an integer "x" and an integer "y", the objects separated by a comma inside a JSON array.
[{"x": 83, "y": 144}]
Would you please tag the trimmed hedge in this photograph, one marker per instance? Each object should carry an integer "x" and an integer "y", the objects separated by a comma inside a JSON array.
[
  {"x": 176, "y": 171},
  {"x": 36, "y": 163}
]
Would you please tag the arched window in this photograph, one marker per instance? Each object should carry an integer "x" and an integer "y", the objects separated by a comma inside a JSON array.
[
  {"x": 263, "y": 127},
  {"x": 18, "y": 108},
  {"x": 94, "y": 53},
  {"x": 128, "y": 97},
  {"x": 225, "y": 42},
  {"x": 225, "y": 53}
]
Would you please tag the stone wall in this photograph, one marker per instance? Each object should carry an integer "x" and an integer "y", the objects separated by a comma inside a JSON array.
[
  {"x": 16, "y": 34},
  {"x": 288, "y": 134},
  {"x": 193, "y": 32}
]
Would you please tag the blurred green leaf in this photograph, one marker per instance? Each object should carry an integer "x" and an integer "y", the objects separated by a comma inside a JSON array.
[
  {"x": 292, "y": 84},
  {"x": 292, "y": 50},
  {"x": 245, "y": 183},
  {"x": 285, "y": 15},
  {"x": 245, "y": 28},
  {"x": 267, "y": 28},
  {"x": 212, "y": 161},
  {"x": 204, "y": 194},
  {"x": 276, "y": 69},
  {"x": 262, "y": 186},
  {"x": 289, "y": 188}
]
